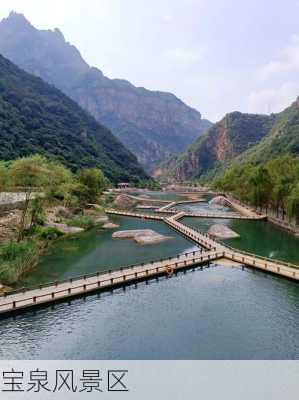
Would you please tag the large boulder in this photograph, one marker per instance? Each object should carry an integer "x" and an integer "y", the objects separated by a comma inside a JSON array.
[
  {"x": 63, "y": 212},
  {"x": 101, "y": 219},
  {"x": 222, "y": 232},
  {"x": 141, "y": 236},
  {"x": 110, "y": 225},
  {"x": 218, "y": 201},
  {"x": 124, "y": 202},
  {"x": 131, "y": 234},
  {"x": 64, "y": 228}
]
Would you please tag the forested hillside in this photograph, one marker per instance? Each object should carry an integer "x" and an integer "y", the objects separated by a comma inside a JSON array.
[
  {"x": 231, "y": 136},
  {"x": 282, "y": 139},
  {"x": 35, "y": 117},
  {"x": 154, "y": 125}
]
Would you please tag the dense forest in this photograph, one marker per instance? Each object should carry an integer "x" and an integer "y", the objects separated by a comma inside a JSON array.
[
  {"x": 228, "y": 138},
  {"x": 283, "y": 138},
  {"x": 237, "y": 139},
  {"x": 35, "y": 118},
  {"x": 271, "y": 185},
  {"x": 152, "y": 124}
]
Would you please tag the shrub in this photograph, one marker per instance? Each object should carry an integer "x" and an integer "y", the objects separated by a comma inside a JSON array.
[
  {"x": 48, "y": 233},
  {"x": 12, "y": 250},
  {"x": 16, "y": 259},
  {"x": 82, "y": 221}
]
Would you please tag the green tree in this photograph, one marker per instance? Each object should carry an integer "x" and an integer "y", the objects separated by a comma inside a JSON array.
[
  {"x": 38, "y": 178},
  {"x": 91, "y": 183},
  {"x": 4, "y": 177},
  {"x": 60, "y": 180},
  {"x": 284, "y": 173},
  {"x": 261, "y": 185},
  {"x": 293, "y": 204}
]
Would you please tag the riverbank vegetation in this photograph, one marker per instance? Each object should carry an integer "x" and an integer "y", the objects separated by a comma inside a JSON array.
[
  {"x": 52, "y": 194},
  {"x": 16, "y": 258},
  {"x": 270, "y": 186}
]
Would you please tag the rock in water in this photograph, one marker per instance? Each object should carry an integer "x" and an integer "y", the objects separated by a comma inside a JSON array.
[
  {"x": 222, "y": 232},
  {"x": 110, "y": 225},
  {"x": 218, "y": 201},
  {"x": 101, "y": 219},
  {"x": 130, "y": 234},
  {"x": 142, "y": 236},
  {"x": 151, "y": 239},
  {"x": 124, "y": 202},
  {"x": 64, "y": 228}
]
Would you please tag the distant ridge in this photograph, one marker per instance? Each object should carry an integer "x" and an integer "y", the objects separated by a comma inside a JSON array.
[
  {"x": 228, "y": 138},
  {"x": 35, "y": 117},
  {"x": 153, "y": 125},
  {"x": 237, "y": 138}
]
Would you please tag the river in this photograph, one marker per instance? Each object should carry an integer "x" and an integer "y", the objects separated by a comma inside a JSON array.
[{"x": 218, "y": 313}]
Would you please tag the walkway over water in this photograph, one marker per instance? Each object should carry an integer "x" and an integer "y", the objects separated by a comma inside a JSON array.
[
  {"x": 243, "y": 212},
  {"x": 53, "y": 292},
  {"x": 281, "y": 268},
  {"x": 57, "y": 291}
]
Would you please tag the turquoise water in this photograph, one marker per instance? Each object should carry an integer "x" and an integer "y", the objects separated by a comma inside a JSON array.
[
  {"x": 257, "y": 237},
  {"x": 203, "y": 207},
  {"x": 217, "y": 313},
  {"x": 171, "y": 196},
  {"x": 96, "y": 250}
]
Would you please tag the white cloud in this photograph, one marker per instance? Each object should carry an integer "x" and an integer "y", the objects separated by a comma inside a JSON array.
[
  {"x": 45, "y": 14},
  {"x": 183, "y": 56},
  {"x": 273, "y": 99},
  {"x": 168, "y": 18},
  {"x": 287, "y": 62}
]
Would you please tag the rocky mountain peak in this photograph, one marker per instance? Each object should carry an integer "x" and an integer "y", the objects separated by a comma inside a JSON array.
[
  {"x": 154, "y": 125},
  {"x": 17, "y": 21}
]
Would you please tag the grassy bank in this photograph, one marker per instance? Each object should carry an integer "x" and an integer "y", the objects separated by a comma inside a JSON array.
[{"x": 18, "y": 258}]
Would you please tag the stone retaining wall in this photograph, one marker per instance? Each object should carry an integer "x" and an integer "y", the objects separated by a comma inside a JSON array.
[{"x": 11, "y": 200}]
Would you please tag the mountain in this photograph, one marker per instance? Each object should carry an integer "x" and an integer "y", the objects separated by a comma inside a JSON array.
[
  {"x": 153, "y": 125},
  {"x": 282, "y": 139},
  {"x": 230, "y": 137},
  {"x": 35, "y": 117}
]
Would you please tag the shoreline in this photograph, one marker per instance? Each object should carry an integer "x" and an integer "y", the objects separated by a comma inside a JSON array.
[
  {"x": 47, "y": 244},
  {"x": 294, "y": 230}
]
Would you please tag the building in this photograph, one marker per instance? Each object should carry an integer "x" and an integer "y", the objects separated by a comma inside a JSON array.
[{"x": 124, "y": 185}]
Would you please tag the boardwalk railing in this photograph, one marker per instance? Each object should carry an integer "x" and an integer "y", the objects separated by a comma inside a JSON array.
[
  {"x": 133, "y": 214},
  {"x": 86, "y": 285},
  {"x": 235, "y": 254},
  {"x": 270, "y": 266},
  {"x": 262, "y": 258},
  {"x": 226, "y": 215},
  {"x": 209, "y": 242},
  {"x": 103, "y": 272}
]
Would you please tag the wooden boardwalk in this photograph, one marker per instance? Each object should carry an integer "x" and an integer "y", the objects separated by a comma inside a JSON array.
[
  {"x": 135, "y": 215},
  {"x": 210, "y": 251},
  {"x": 277, "y": 267},
  {"x": 242, "y": 211},
  {"x": 219, "y": 215},
  {"x": 53, "y": 292},
  {"x": 225, "y": 215},
  {"x": 287, "y": 270}
]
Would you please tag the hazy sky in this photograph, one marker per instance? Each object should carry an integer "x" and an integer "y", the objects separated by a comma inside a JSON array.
[{"x": 216, "y": 55}]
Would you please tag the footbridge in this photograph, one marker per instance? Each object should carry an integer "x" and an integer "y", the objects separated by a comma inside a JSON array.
[
  {"x": 210, "y": 250},
  {"x": 23, "y": 299},
  {"x": 206, "y": 241}
]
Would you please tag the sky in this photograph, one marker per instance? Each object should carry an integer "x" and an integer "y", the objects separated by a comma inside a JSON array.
[{"x": 218, "y": 56}]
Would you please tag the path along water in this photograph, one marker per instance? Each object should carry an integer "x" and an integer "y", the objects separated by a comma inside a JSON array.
[{"x": 239, "y": 314}]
